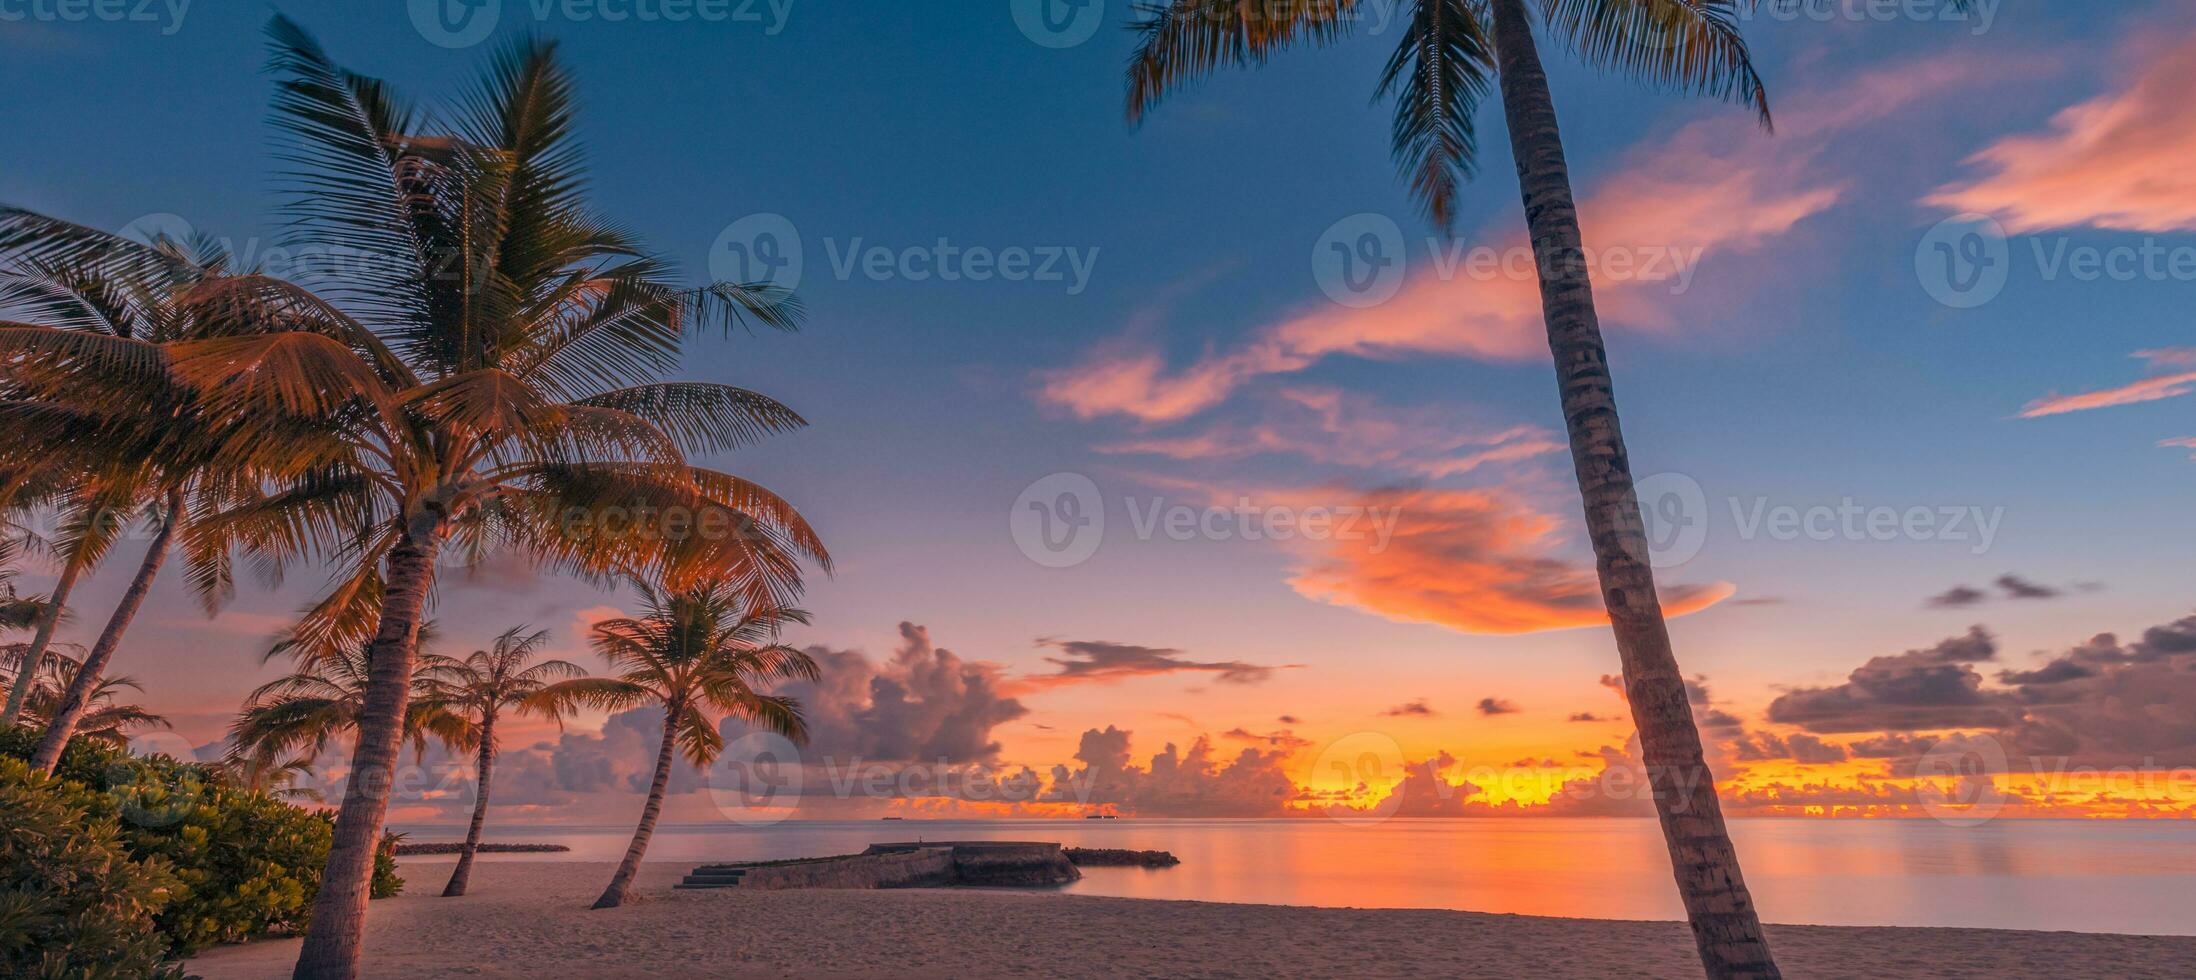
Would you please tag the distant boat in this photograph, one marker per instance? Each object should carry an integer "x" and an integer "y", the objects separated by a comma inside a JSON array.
[
  {"x": 1098, "y": 816},
  {"x": 891, "y": 818}
]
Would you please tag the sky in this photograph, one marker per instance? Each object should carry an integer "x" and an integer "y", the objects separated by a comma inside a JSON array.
[{"x": 1185, "y": 468}]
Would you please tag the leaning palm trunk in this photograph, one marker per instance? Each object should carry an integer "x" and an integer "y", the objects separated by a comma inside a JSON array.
[
  {"x": 1716, "y": 901},
  {"x": 333, "y": 940},
  {"x": 464, "y": 872},
  {"x": 62, "y": 726},
  {"x": 621, "y": 883},
  {"x": 27, "y": 673}
]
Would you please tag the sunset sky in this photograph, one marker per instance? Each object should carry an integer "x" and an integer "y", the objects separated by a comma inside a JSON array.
[{"x": 1910, "y": 472}]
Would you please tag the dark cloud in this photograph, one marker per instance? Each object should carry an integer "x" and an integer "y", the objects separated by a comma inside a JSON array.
[
  {"x": 2016, "y": 587},
  {"x": 1413, "y": 708},
  {"x": 924, "y": 703},
  {"x": 1175, "y": 783},
  {"x": 1286, "y": 740},
  {"x": 1289, "y": 720},
  {"x": 1099, "y": 660},
  {"x": 1958, "y": 596},
  {"x": 1920, "y": 690},
  {"x": 1497, "y": 706},
  {"x": 2009, "y": 585},
  {"x": 1425, "y": 792},
  {"x": 1588, "y": 716},
  {"x": 1804, "y": 749}
]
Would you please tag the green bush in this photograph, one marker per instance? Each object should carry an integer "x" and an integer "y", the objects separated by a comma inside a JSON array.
[
  {"x": 73, "y": 904},
  {"x": 244, "y": 864}
]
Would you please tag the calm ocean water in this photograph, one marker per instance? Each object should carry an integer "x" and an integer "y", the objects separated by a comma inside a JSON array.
[{"x": 2123, "y": 876}]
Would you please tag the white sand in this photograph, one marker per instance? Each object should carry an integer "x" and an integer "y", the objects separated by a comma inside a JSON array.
[{"x": 530, "y": 920}]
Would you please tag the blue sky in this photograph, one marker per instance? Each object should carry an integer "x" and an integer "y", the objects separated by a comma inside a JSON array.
[{"x": 1799, "y": 370}]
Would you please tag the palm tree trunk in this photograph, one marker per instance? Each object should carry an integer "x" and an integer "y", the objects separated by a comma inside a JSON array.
[
  {"x": 464, "y": 872},
  {"x": 26, "y": 675},
  {"x": 62, "y": 726},
  {"x": 1725, "y": 926},
  {"x": 333, "y": 940},
  {"x": 621, "y": 884}
]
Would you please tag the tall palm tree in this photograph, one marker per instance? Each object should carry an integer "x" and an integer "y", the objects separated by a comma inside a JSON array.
[
  {"x": 487, "y": 372},
  {"x": 481, "y": 689},
  {"x": 1453, "y": 55},
  {"x": 297, "y": 715},
  {"x": 698, "y": 653}
]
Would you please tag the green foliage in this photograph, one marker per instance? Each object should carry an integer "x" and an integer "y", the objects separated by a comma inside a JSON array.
[
  {"x": 74, "y": 904},
  {"x": 243, "y": 864}
]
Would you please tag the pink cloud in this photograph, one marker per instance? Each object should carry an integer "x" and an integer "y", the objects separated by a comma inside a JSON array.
[
  {"x": 1715, "y": 186},
  {"x": 2155, "y": 388},
  {"x": 1339, "y": 428},
  {"x": 2184, "y": 442},
  {"x": 2116, "y": 161}
]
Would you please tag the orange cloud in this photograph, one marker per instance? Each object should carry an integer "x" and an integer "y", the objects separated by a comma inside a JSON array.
[
  {"x": 1340, "y": 428},
  {"x": 2155, "y": 388},
  {"x": 2116, "y": 161},
  {"x": 1714, "y": 186},
  {"x": 1475, "y": 561}
]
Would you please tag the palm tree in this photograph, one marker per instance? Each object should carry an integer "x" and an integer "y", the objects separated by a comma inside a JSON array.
[
  {"x": 283, "y": 779},
  {"x": 480, "y": 689},
  {"x": 1453, "y": 55},
  {"x": 295, "y": 716},
  {"x": 119, "y": 306},
  {"x": 697, "y": 652},
  {"x": 486, "y": 371},
  {"x": 105, "y": 718}
]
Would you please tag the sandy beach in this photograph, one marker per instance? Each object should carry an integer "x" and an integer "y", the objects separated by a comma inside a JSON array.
[{"x": 529, "y": 919}]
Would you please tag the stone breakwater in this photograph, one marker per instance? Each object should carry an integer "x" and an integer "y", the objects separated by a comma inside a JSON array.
[
  {"x": 1109, "y": 857},
  {"x": 919, "y": 864}
]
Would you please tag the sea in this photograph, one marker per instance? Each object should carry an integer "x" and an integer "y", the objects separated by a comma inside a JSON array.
[{"x": 2121, "y": 876}]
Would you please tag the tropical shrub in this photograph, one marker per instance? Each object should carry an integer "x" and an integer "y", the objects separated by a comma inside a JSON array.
[
  {"x": 243, "y": 864},
  {"x": 74, "y": 905}
]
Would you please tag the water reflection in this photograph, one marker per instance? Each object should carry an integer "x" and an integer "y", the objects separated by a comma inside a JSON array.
[{"x": 2085, "y": 876}]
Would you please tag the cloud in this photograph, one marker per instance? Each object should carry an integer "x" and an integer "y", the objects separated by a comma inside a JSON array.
[
  {"x": 1476, "y": 561},
  {"x": 1919, "y": 690},
  {"x": 1958, "y": 596},
  {"x": 924, "y": 703},
  {"x": 2009, "y": 585},
  {"x": 1425, "y": 792},
  {"x": 1415, "y": 708},
  {"x": 1803, "y": 749},
  {"x": 1715, "y": 186},
  {"x": 2183, "y": 442},
  {"x": 2171, "y": 377},
  {"x": 1490, "y": 707},
  {"x": 1589, "y": 717},
  {"x": 1339, "y": 428},
  {"x": 1177, "y": 784},
  {"x": 1102, "y": 661},
  {"x": 1285, "y": 740},
  {"x": 2117, "y": 161},
  {"x": 2016, "y": 587}
]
